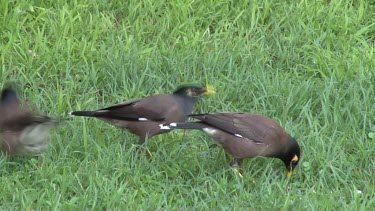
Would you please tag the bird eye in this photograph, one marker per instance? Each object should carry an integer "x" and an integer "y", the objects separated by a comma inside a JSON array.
[{"x": 294, "y": 161}]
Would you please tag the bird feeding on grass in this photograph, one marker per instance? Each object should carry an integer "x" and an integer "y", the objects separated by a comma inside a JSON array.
[{"x": 245, "y": 135}]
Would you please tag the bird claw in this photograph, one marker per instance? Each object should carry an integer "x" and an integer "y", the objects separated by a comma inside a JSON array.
[
  {"x": 141, "y": 149},
  {"x": 148, "y": 152},
  {"x": 237, "y": 171}
]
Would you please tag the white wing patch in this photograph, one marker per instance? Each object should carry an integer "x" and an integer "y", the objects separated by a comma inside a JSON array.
[
  {"x": 209, "y": 130},
  {"x": 244, "y": 138},
  {"x": 167, "y": 126},
  {"x": 142, "y": 119},
  {"x": 164, "y": 127}
]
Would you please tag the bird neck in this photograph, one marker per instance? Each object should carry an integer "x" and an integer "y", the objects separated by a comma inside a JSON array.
[{"x": 186, "y": 102}]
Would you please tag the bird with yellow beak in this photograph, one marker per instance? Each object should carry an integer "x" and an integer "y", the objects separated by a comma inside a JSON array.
[{"x": 245, "y": 135}]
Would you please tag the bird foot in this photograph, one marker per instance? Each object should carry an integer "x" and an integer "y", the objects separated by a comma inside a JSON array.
[
  {"x": 148, "y": 153},
  {"x": 143, "y": 149},
  {"x": 238, "y": 171}
]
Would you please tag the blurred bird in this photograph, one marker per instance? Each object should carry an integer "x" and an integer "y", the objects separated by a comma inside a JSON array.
[
  {"x": 142, "y": 117},
  {"x": 245, "y": 135},
  {"x": 21, "y": 131}
]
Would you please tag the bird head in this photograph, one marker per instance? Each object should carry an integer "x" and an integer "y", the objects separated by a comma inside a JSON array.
[
  {"x": 194, "y": 91},
  {"x": 292, "y": 157},
  {"x": 8, "y": 95}
]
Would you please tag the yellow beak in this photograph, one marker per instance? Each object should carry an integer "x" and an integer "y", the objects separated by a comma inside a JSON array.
[
  {"x": 209, "y": 90},
  {"x": 289, "y": 173},
  {"x": 289, "y": 170}
]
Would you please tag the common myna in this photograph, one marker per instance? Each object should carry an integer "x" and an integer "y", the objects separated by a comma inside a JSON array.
[
  {"x": 246, "y": 135},
  {"x": 142, "y": 117},
  {"x": 21, "y": 131}
]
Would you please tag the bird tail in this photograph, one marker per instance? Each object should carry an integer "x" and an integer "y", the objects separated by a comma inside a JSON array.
[
  {"x": 59, "y": 120},
  {"x": 85, "y": 113},
  {"x": 182, "y": 125},
  {"x": 197, "y": 115}
]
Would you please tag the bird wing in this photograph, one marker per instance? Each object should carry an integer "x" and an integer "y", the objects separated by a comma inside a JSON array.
[
  {"x": 153, "y": 108},
  {"x": 250, "y": 126}
]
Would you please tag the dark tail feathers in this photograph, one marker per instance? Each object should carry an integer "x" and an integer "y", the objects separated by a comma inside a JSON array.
[
  {"x": 197, "y": 115},
  {"x": 85, "y": 113},
  {"x": 183, "y": 125}
]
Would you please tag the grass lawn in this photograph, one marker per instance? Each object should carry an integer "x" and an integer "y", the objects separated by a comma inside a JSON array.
[{"x": 308, "y": 64}]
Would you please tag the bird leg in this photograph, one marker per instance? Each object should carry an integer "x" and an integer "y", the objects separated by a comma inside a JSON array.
[
  {"x": 236, "y": 165},
  {"x": 142, "y": 140}
]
